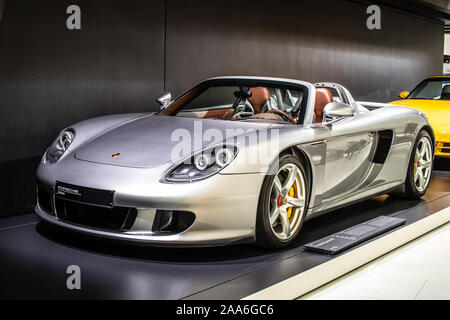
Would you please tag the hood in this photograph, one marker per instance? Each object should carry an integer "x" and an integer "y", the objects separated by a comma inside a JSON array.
[
  {"x": 155, "y": 140},
  {"x": 437, "y": 111}
]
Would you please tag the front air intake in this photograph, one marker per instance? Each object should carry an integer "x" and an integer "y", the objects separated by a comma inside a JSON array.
[
  {"x": 172, "y": 222},
  {"x": 111, "y": 219}
]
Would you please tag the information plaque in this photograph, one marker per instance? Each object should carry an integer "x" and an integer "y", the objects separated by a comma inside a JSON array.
[{"x": 350, "y": 237}]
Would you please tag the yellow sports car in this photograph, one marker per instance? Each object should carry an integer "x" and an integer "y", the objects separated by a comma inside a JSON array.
[{"x": 432, "y": 97}]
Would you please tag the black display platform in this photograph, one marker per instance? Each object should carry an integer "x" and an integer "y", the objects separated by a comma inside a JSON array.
[
  {"x": 34, "y": 257},
  {"x": 350, "y": 237}
]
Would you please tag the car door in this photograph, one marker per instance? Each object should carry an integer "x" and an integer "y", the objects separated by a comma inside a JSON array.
[{"x": 349, "y": 151}]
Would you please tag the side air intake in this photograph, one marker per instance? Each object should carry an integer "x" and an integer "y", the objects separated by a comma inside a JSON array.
[{"x": 384, "y": 143}]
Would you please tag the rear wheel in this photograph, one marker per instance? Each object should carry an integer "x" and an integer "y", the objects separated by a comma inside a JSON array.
[
  {"x": 282, "y": 204},
  {"x": 420, "y": 167}
]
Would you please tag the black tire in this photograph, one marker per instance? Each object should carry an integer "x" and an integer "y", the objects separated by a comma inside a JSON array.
[
  {"x": 410, "y": 189},
  {"x": 265, "y": 236}
]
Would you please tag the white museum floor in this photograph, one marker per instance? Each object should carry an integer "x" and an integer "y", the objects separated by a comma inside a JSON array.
[{"x": 418, "y": 270}]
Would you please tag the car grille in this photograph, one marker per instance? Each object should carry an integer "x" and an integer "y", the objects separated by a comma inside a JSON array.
[
  {"x": 446, "y": 148},
  {"x": 443, "y": 147},
  {"x": 116, "y": 219},
  {"x": 113, "y": 219}
]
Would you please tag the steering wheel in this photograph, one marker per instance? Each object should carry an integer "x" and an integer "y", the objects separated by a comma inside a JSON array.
[
  {"x": 283, "y": 114},
  {"x": 245, "y": 110}
]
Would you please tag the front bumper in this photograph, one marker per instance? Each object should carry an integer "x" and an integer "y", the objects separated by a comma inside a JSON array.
[
  {"x": 225, "y": 206},
  {"x": 188, "y": 239}
]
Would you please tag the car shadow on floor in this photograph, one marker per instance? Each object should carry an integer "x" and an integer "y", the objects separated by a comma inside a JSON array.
[
  {"x": 441, "y": 164},
  {"x": 312, "y": 230}
]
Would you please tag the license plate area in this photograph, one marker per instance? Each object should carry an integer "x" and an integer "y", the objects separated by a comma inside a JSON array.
[{"x": 96, "y": 197}]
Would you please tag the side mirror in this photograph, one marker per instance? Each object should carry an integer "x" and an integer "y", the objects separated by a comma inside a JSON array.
[
  {"x": 403, "y": 94},
  {"x": 337, "y": 111},
  {"x": 164, "y": 100}
]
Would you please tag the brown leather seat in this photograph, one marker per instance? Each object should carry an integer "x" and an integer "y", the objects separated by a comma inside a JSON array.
[
  {"x": 323, "y": 97},
  {"x": 260, "y": 95},
  {"x": 270, "y": 116}
]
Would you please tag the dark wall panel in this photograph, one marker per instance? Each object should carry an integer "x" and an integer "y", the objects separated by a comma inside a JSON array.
[
  {"x": 119, "y": 61},
  {"x": 310, "y": 40},
  {"x": 2, "y": 4},
  {"x": 51, "y": 76}
]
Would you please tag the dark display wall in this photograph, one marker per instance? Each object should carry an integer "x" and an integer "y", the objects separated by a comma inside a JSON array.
[
  {"x": 323, "y": 40},
  {"x": 51, "y": 76},
  {"x": 129, "y": 51},
  {"x": 2, "y": 3}
]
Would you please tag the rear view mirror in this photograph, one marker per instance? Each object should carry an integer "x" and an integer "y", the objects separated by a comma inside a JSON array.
[
  {"x": 164, "y": 100},
  {"x": 338, "y": 110},
  {"x": 403, "y": 94}
]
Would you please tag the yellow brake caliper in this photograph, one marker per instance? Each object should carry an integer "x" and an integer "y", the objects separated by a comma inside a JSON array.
[{"x": 292, "y": 193}]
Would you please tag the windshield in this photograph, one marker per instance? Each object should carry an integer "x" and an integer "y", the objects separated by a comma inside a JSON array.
[
  {"x": 435, "y": 89},
  {"x": 241, "y": 100}
]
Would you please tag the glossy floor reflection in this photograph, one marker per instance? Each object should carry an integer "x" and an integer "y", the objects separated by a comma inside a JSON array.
[{"x": 34, "y": 257}]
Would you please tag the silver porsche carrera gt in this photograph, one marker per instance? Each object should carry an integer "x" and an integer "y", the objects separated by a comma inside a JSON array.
[{"x": 234, "y": 159}]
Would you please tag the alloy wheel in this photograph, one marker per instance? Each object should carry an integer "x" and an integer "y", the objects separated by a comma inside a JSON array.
[
  {"x": 422, "y": 164},
  {"x": 287, "y": 201}
]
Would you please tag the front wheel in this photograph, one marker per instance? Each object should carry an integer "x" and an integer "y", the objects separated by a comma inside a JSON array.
[
  {"x": 420, "y": 167},
  {"x": 282, "y": 203}
]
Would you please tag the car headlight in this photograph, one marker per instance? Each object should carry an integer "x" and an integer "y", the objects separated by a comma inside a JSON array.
[
  {"x": 203, "y": 164},
  {"x": 60, "y": 145}
]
